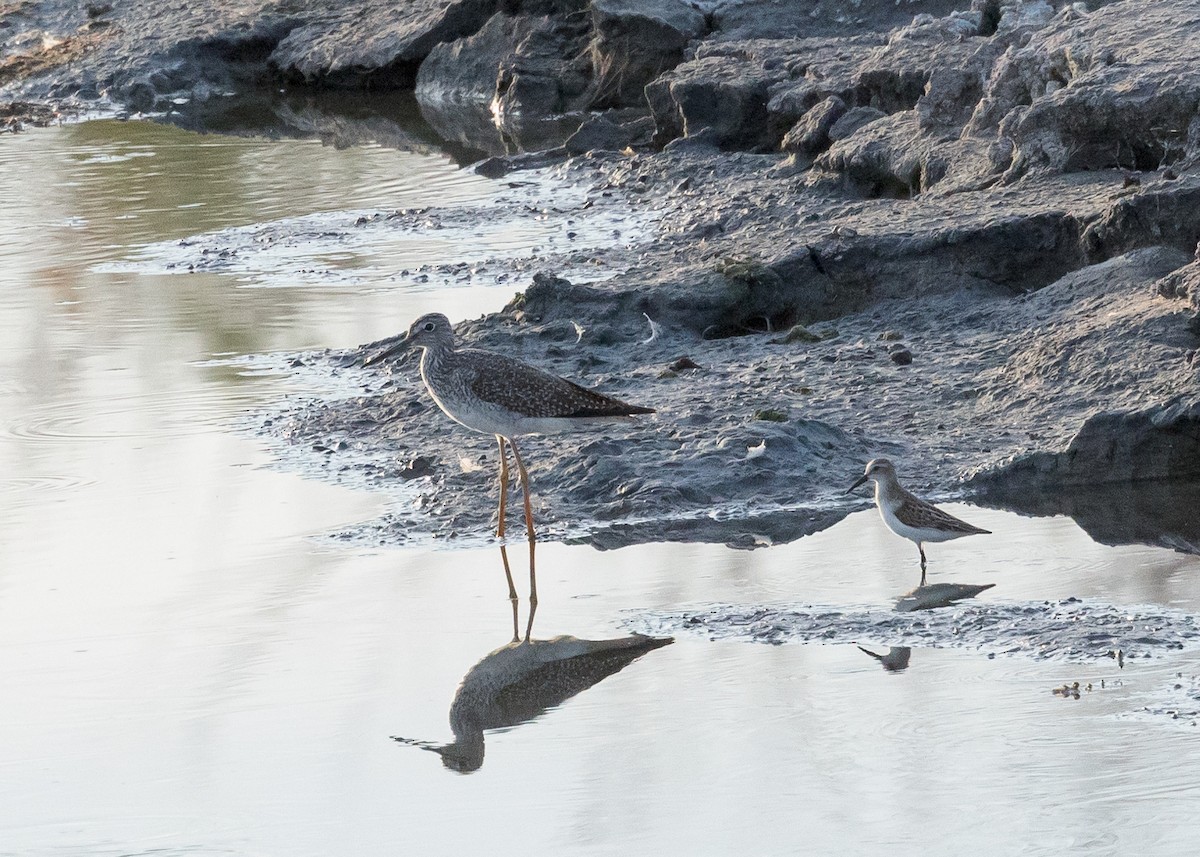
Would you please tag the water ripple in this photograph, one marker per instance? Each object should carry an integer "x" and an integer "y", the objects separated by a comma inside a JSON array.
[
  {"x": 45, "y": 483},
  {"x": 169, "y": 413}
]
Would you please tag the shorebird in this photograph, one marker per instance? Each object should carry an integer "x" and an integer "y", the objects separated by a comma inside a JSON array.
[
  {"x": 521, "y": 681},
  {"x": 524, "y": 679},
  {"x": 908, "y": 515},
  {"x": 495, "y": 394}
]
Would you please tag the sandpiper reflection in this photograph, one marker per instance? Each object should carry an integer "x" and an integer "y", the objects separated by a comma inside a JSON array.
[
  {"x": 938, "y": 595},
  {"x": 522, "y": 680},
  {"x": 896, "y": 658}
]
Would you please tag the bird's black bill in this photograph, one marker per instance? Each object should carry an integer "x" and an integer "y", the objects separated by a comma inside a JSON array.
[
  {"x": 424, "y": 745},
  {"x": 860, "y": 481},
  {"x": 391, "y": 351}
]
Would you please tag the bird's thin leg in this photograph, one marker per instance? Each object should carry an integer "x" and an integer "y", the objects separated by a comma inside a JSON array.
[
  {"x": 503, "y": 498},
  {"x": 512, "y": 592},
  {"x": 921, "y": 548},
  {"x": 528, "y": 526},
  {"x": 512, "y": 589},
  {"x": 525, "y": 487},
  {"x": 532, "y": 592}
]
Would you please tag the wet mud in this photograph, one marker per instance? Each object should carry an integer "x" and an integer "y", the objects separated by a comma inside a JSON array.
[
  {"x": 971, "y": 617},
  {"x": 757, "y": 436},
  {"x": 1070, "y": 629}
]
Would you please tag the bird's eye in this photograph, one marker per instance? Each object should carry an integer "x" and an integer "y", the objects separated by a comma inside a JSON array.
[{"x": 429, "y": 325}]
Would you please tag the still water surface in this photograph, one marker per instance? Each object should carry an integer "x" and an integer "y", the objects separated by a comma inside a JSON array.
[{"x": 187, "y": 667}]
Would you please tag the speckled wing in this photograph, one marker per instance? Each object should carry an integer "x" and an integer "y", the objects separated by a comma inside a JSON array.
[
  {"x": 530, "y": 392},
  {"x": 915, "y": 512}
]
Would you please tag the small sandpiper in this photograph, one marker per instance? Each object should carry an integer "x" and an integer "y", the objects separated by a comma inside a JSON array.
[
  {"x": 495, "y": 394},
  {"x": 908, "y": 515}
]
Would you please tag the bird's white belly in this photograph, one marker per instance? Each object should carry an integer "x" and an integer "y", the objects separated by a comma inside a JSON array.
[
  {"x": 915, "y": 534},
  {"x": 489, "y": 419}
]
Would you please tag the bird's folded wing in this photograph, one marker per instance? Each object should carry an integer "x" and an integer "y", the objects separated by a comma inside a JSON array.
[
  {"x": 918, "y": 513},
  {"x": 531, "y": 392}
]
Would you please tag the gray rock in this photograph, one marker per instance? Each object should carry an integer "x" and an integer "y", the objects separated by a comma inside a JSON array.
[
  {"x": 754, "y": 19},
  {"x": 807, "y": 71},
  {"x": 509, "y": 85},
  {"x": 1156, "y": 213},
  {"x": 938, "y": 67},
  {"x": 718, "y": 93},
  {"x": 883, "y": 156},
  {"x": 492, "y": 168},
  {"x": 852, "y": 120},
  {"x": 520, "y": 68},
  {"x": 1114, "y": 88},
  {"x": 599, "y": 133},
  {"x": 1159, "y": 443},
  {"x": 703, "y": 141},
  {"x": 351, "y": 44},
  {"x": 894, "y": 76},
  {"x": 1021, "y": 15},
  {"x": 896, "y": 157},
  {"x": 810, "y": 134},
  {"x": 514, "y": 65},
  {"x": 635, "y": 41},
  {"x": 1181, "y": 284}
]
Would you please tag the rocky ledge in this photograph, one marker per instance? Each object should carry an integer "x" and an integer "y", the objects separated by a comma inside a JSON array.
[{"x": 960, "y": 233}]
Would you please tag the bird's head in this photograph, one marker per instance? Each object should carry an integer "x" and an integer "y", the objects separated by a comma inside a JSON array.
[
  {"x": 464, "y": 755},
  {"x": 877, "y": 469},
  {"x": 431, "y": 330}
]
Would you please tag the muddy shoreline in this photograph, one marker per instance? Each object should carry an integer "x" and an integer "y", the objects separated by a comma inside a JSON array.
[{"x": 963, "y": 235}]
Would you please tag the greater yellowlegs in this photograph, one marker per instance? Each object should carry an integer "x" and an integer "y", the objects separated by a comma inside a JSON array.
[
  {"x": 908, "y": 515},
  {"x": 495, "y": 394},
  {"x": 521, "y": 681}
]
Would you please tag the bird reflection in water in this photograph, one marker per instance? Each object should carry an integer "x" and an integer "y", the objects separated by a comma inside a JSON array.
[
  {"x": 896, "y": 658},
  {"x": 524, "y": 679},
  {"x": 512, "y": 592},
  {"x": 938, "y": 595}
]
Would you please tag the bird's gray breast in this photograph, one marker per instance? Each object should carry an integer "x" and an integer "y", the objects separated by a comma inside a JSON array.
[{"x": 451, "y": 389}]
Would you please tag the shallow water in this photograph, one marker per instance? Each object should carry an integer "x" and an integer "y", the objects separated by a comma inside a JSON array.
[{"x": 188, "y": 668}]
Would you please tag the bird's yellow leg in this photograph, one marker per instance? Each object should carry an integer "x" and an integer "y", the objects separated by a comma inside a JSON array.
[
  {"x": 525, "y": 487},
  {"x": 532, "y": 592},
  {"x": 503, "y": 499},
  {"x": 512, "y": 589},
  {"x": 528, "y": 525},
  {"x": 512, "y": 593}
]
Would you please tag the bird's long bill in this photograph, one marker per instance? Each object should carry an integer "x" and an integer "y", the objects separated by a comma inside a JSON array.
[
  {"x": 860, "y": 481},
  {"x": 390, "y": 351},
  {"x": 424, "y": 745}
]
